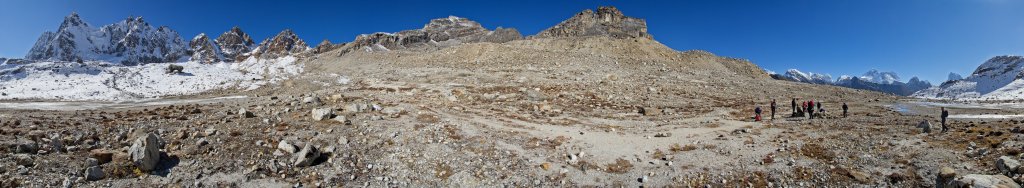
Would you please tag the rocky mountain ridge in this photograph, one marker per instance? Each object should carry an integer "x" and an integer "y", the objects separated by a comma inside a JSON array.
[
  {"x": 131, "y": 41},
  {"x": 874, "y": 80},
  {"x": 999, "y": 78}
]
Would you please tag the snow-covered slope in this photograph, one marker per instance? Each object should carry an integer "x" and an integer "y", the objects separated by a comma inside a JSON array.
[
  {"x": 131, "y": 41},
  {"x": 998, "y": 78},
  {"x": 103, "y": 81},
  {"x": 954, "y": 76}
]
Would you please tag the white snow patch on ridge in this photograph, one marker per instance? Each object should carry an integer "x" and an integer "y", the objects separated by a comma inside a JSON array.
[{"x": 104, "y": 81}]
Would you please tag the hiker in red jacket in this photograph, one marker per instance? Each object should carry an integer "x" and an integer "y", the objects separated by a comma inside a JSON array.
[{"x": 810, "y": 109}]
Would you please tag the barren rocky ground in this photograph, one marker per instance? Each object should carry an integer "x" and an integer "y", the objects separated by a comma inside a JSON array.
[{"x": 548, "y": 112}]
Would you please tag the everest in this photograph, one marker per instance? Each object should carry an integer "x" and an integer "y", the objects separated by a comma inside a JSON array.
[{"x": 131, "y": 41}]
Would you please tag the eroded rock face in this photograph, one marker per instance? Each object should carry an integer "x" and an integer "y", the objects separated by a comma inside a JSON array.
[
  {"x": 234, "y": 44},
  {"x": 203, "y": 50},
  {"x": 283, "y": 44},
  {"x": 441, "y": 32},
  {"x": 607, "y": 21}
]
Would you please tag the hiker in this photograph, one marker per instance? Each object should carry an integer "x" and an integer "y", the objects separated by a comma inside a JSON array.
[
  {"x": 944, "y": 115},
  {"x": 819, "y": 106},
  {"x": 773, "y": 108},
  {"x": 794, "y": 105},
  {"x": 810, "y": 109},
  {"x": 757, "y": 113},
  {"x": 845, "y": 108}
]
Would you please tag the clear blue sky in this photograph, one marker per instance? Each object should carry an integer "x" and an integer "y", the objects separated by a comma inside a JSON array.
[{"x": 926, "y": 38}]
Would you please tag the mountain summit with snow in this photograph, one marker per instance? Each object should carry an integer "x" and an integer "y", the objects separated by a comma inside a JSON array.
[
  {"x": 999, "y": 78},
  {"x": 130, "y": 41}
]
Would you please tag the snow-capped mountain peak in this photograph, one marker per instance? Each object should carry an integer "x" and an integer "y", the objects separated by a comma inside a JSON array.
[
  {"x": 809, "y": 77},
  {"x": 954, "y": 76},
  {"x": 130, "y": 41},
  {"x": 875, "y": 76},
  {"x": 999, "y": 78}
]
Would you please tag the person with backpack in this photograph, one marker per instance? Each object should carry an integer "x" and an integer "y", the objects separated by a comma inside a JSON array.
[
  {"x": 794, "y": 105},
  {"x": 810, "y": 109},
  {"x": 819, "y": 106},
  {"x": 845, "y": 108},
  {"x": 773, "y": 109},
  {"x": 757, "y": 113}
]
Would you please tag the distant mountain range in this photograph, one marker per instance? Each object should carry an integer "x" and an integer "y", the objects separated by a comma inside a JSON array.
[
  {"x": 874, "y": 80},
  {"x": 999, "y": 78}
]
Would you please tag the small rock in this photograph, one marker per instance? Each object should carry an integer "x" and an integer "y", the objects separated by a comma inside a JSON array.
[
  {"x": 286, "y": 147},
  {"x": 322, "y": 114},
  {"x": 23, "y": 159},
  {"x": 91, "y": 162},
  {"x": 306, "y": 156},
  {"x": 245, "y": 113},
  {"x": 991, "y": 181},
  {"x": 210, "y": 132},
  {"x": 94, "y": 173},
  {"x": 393, "y": 112},
  {"x": 1007, "y": 165},
  {"x": 342, "y": 119},
  {"x": 662, "y": 135},
  {"x": 314, "y": 100},
  {"x": 103, "y": 156},
  {"x": 545, "y": 166},
  {"x": 202, "y": 142},
  {"x": 925, "y": 126}
]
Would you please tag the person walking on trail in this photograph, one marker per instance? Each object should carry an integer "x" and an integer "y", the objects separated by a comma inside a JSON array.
[
  {"x": 794, "y": 105},
  {"x": 819, "y": 106},
  {"x": 944, "y": 115},
  {"x": 757, "y": 113},
  {"x": 844, "y": 109},
  {"x": 773, "y": 108}
]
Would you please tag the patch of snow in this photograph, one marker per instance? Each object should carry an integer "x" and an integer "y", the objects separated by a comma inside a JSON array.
[
  {"x": 983, "y": 116},
  {"x": 104, "y": 81}
]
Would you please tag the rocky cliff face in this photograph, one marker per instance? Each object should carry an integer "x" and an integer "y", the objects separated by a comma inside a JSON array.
[
  {"x": 606, "y": 21},
  {"x": 235, "y": 44},
  {"x": 202, "y": 49},
  {"x": 439, "y": 33},
  {"x": 131, "y": 41},
  {"x": 283, "y": 44},
  {"x": 999, "y": 78}
]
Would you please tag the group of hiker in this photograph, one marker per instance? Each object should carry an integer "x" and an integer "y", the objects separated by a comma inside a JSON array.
[{"x": 809, "y": 107}]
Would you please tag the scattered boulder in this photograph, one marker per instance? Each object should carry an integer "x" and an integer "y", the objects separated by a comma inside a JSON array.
[
  {"x": 990, "y": 181},
  {"x": 245, "y": 113},
  {"x": 1007, "y": 165},
  {"x": 23, "y": 160},
  {"x": 342, "y": 119},
  {"x": 393, "y": 111},
  {"x": 649, "y": 111},
  {"x": 306, "y": 156},
  {"x": 356, "y": 107},
  {"x": 286, "y": 147},
  {"x": 925, "y": 126},
  {"x": 25, "y": 146},
  {"x": 320, "y": 114},
  {"x": 314, "y": 100},
  {"x": 145, "y": 152},
  {"x": 102, "y": 156},
  {"x": 945, "y": 177},
  {"x": 94, "y": 173},
  {"x": 174, "y": 69}
]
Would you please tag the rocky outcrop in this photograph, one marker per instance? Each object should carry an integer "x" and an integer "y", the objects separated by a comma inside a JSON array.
[
  {"x": 606, "y": 21},
  {"x": 439, "y": 33},
  {"x": 283, "y": 44},
  {"x": 131, "y": 41},
  {"x": 325, "y": 46},
  {"x": 202, "y": 49},
  {"x": 145, "y": 152},
  {"x": 235, "y": 44}
]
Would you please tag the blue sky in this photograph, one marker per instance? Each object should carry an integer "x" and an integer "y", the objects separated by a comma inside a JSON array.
[{"x": 926, "y": 38}]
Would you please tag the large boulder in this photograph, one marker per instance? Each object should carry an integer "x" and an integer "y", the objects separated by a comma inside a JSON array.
[
  {"x": 985, "y": 181},
  {"x": 94, "y": 173},
  {"x": 145, "y": 152}
]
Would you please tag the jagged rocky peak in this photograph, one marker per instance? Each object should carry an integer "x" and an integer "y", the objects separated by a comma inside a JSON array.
[
  {"x": 283, "y": 44},
  {"x": 203, "y": 50},
  {"x": 235, "y": 44},
  {"x": 954, "y": 76},
  {"x": 438, "y": 33},
  {"x": 324, "y": 46},
  {"x": 606, "y": 21},
  {"x": 131, "y": 41}
]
